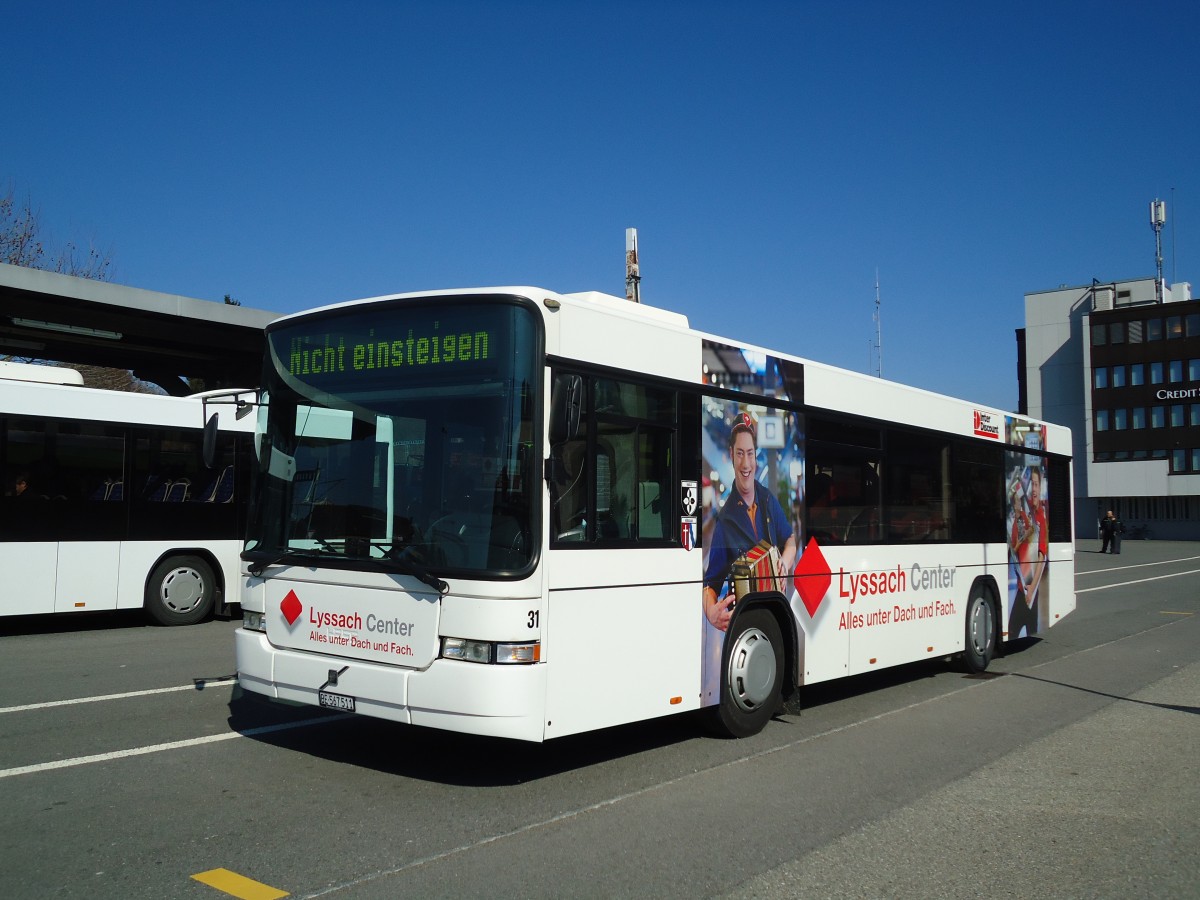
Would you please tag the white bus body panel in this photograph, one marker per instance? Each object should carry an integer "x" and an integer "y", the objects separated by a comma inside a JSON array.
[
  {"x": 632, "y": 650},
  {"x": 87, "y": 576},
  {"x": 599, "y": 329},
  {"x": 30, "y": 571}
]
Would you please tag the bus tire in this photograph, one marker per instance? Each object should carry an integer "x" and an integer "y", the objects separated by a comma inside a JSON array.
[
  {"x": 181, "y": 591},
  {"x": 980, "y": 643},
  {"x": 751, "y": 676}
]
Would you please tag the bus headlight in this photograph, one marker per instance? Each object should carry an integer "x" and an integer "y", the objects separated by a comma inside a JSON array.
[
  {"x": 254, "y": 621},
  {"x": 489, "y": 652}
]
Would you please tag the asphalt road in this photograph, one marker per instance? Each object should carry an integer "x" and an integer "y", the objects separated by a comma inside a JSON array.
[{"x": 129, "y": 764}]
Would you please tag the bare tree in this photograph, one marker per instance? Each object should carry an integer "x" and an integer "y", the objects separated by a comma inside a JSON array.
[
  {"x": 22, "y": 244},
  {"x": 19, "y": 229}
]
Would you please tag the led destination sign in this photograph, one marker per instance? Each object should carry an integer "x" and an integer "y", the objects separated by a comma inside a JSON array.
[
  {"x": 335, "y": 353},
  {"x": 417, "y": 343}
]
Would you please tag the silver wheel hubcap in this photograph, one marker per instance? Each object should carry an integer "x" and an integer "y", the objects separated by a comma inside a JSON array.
[
  {"x": 981, "y": 627},
  {"x": 751, "y": 670},
  {"x": 182, "y": 590}
]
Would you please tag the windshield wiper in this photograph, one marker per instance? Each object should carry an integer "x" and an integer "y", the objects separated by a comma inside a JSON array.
[
  {"x": 259, "y": 565},
  {"x": 411, "y": 568},
  {"x": 325, "y": 548}
]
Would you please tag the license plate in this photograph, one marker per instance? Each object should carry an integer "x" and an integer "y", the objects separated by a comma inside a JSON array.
[{"x": 335, "y": 701}]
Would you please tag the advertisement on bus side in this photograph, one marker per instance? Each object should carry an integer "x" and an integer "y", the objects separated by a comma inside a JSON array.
[{"x": 864, "y": 593}]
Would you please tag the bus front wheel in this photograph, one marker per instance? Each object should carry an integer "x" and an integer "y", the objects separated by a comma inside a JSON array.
[
  {"x": 981, "y": 632},
  {"x": 181, "y": 591},
  {"x": 753, "y": 672}
]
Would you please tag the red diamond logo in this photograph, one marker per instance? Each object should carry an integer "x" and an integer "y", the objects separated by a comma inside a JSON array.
[
  {"x": 291, "y": 607},
  {"x": 812, "y": 577}
]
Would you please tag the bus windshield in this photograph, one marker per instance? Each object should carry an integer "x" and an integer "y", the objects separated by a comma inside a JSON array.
[{"x": 400, "y": 435}]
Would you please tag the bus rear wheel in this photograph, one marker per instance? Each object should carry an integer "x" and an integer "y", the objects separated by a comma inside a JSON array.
[
  {"x": 181, "y": 591},
  {"x": 752, "y": 675},
  {"x": 981, "y": 632}
]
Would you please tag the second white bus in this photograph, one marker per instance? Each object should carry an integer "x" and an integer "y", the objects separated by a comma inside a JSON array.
[{"x": 107, "y": 503}]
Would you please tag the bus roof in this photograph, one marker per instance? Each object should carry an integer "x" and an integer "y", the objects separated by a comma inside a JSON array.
[{"x": 43, "y": 373}]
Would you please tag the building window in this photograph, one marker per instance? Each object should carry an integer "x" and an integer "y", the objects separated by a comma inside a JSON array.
[
  {"x": 1158, "y": 417},
  {"x": 1194, "y": 370},
  {"x": 1175, "y": 371},
  {"x": 1154, "y": 331},
  {"x": 1139, "y": 418},
  {"x": 1118, "y": 376},
  {"x": 1116, "y": 333},
  {"x": 1099, "y": 336},
  {"x": 1137, "y": 331},
  {"x": 1177, "y": 415},
  {"x": 1195, "y": 455},
  {"x": 1159, "y": 454},
  {"x": 1100, "y": 378},
  {"x": 1137, "y": 374},
  {"x": 1156, "y": 373},
  {"x": 1120, "y": 420},
  {"x": 1174, "y": 327},
  {"x": 1192, "y": 325},
  {"x": 1194, "y": 418},
  {"x": 1178, "y": 462},
  {"x": 1102, "y": 420}
]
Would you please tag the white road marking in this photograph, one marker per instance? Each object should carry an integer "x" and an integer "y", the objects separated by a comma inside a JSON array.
[
  {"x": 170, "y": 745},
  {"x": 167, "y": 690}
]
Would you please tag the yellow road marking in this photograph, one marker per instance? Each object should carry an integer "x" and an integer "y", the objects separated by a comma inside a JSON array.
[
  {"x": 239, "y": 885},
  {"x": 1168, "y": 612}
]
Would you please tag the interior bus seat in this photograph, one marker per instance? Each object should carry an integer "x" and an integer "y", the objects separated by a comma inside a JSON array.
[
  {"x": 156, "y": 488},
  {"x": 179, "y": 491},
  {"x": 103, "y": 489},
  {"x": 220, "y": 489}
]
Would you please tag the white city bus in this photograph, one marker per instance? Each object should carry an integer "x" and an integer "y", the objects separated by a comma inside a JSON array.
[
  {"x": 519, "y": 513},
  {"x": 107, "y": 504}
]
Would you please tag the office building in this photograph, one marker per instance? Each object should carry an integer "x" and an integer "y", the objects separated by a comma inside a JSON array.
[{"x": 1119, "y": 363}]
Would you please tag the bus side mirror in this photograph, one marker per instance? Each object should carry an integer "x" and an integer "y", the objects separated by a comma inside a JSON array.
[
  {"x": 210, "y": 441},
  {"x": 566, "y": 407}
]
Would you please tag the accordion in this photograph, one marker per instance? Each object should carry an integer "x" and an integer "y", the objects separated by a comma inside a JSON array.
[{"x": 756, "y": 570}]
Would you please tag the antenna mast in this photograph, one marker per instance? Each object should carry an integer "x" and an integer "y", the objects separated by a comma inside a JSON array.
[
  {"x": 878, "y": 330},
  {"x": 1158, "y": 218},
  {"x": 633, "y": 276}
]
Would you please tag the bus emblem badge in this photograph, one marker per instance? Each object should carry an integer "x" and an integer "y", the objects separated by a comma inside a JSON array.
[
  {"x": 688, "y": 533},
  {"x": 812, "y": 577},
  {"x": 690, "y": 497},
  {"x": 291, "y": 607}
]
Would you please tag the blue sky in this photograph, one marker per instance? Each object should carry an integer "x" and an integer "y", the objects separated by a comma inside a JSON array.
[{"x": 772, "y": 156}]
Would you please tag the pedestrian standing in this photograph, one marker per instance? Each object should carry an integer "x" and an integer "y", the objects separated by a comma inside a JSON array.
[{"x": 1108, "y": 526}]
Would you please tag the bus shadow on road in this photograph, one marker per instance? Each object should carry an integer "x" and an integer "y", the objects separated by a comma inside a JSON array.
[
  {"x": 444, "y": 757},
  {"x": 55, "y": 623},
  {"x": 1172, "y": 707}
]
